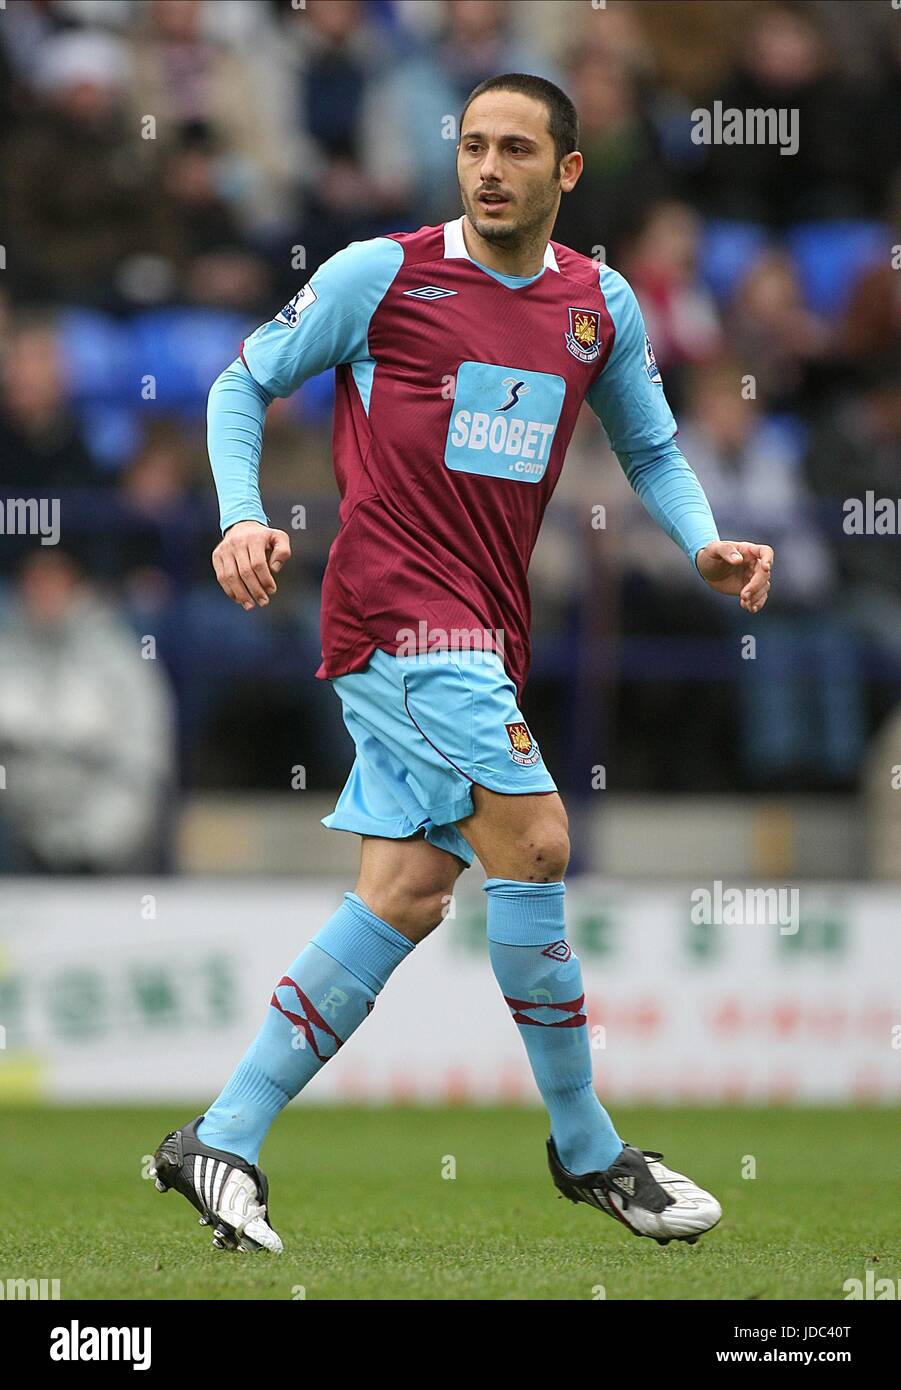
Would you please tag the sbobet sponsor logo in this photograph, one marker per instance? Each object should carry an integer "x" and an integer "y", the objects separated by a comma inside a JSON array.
[
  {"x": 528, "y": 440},
  {"x": 511, "y": 439}
]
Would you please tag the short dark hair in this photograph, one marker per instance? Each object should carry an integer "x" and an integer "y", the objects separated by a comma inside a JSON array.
[{"x": 562, "y": 120}]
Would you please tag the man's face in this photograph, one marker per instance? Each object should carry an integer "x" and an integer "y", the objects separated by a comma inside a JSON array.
[{"x": 506, "y": 166}]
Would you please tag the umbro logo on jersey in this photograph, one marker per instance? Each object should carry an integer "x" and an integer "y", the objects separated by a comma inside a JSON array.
[{"x": 429, "y": 292}]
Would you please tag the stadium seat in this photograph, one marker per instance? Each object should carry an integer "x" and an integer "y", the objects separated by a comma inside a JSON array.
[
  {"x": 728, "y": 251},
  {"x": 185, "y": 350},
  {"x": 98, "y": 356},
  {"x": 830, "y": 257}
]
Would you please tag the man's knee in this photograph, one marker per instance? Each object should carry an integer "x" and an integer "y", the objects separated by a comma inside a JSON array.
[
  {"x": 542, "y": 851},
  {"x": 519, "y": 837}
]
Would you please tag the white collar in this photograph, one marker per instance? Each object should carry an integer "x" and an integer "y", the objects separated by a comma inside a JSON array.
[{"x": 455, "y": 246}]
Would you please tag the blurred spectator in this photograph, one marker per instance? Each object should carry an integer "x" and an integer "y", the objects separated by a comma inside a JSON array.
[
  {"x": 872, "y": 321},
  {"x": 662, "y": 265},
  {"x": 410, "y": 121},
  {"x": 332, "y": 57},
  {"x": 624, "y": 173},
  {"x": 750, "y": 469},
  {"x": 778, "y": 341},
  {"x": 41, "y": 446},
  {"x": 80, "y": 183},
  {"x": 157, "y": 544},
  {"x": 298, "y": 464},
  {"x": 786, "y": 63},
  {"x": 186, "y": 75},
  {"x": 857, "y": 450},
  {"x": 337, "y": 54},
  {"x": 86, "y": 730},
  {"x": 799, "y": 688},
  {"x": 209, "y": 251}
]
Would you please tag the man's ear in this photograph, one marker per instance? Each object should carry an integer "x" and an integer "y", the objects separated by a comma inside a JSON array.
[{"x": 571, "y": 171}]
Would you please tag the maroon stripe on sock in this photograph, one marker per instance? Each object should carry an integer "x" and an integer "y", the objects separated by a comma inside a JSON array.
[
  {"x": 304, "y": 1023},
  {"x": 571, "y": 1006},
  {"x": 575, "y": 1022}
]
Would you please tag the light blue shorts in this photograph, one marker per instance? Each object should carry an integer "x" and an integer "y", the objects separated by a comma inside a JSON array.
[{"x": 426, "y": 729}]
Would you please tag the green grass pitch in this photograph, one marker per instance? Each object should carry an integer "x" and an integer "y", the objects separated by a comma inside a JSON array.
[{"x": 359, "y": 1199}]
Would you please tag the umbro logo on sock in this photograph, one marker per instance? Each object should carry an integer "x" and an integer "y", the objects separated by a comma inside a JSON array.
[{"x": 559, "y": 951}]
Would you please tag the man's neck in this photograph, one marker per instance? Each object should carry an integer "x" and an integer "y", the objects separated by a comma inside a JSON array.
[{"x": 524, "y": 259}]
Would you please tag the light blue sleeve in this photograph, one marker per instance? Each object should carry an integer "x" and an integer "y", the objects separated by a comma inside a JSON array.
[
  {"x": 326, "y": 323},
  {"x": 628, "y": 399},
  {"x": 628, "y": 395},
  {"x": 236, "y": 411},
  {"x": 670, "y": 491}
]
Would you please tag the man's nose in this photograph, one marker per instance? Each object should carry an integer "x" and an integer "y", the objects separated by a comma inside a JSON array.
[{"x": 489, "y": 170}]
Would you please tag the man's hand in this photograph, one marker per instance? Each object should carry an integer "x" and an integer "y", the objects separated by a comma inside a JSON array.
[
  {"x": 247, "y": 558},
  {"x": 738, "y": 567}
]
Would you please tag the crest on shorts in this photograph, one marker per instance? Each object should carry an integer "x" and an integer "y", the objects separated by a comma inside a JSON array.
[
  {"x": 523, "y": 748},
  {"x": 584, "y": 336}
]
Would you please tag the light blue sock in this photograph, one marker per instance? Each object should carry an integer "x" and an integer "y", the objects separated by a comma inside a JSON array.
[
  {"x": 326, "y": 994},
  {"x": 541, "y": 981}
]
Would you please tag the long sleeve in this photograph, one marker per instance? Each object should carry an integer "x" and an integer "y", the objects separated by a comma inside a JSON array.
[
  {"x": 628, "y": 399},
  {"x": 670, "y": 491},
  {"x": 327, "y": 322},
  {"x": 236, "y": 411}
]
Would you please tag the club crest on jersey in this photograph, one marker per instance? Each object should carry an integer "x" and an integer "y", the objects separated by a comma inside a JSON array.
[
  {"x": 523, "y": 748},
  {"x": 584, "y": 336}
]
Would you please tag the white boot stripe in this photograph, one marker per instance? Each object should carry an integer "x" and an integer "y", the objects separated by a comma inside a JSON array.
[
  {"x": 218, "y": 1180},
  {"x": 208, "y": 1181}
]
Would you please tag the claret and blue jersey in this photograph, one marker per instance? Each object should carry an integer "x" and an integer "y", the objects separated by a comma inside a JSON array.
[{"x": 458, "y": 390}]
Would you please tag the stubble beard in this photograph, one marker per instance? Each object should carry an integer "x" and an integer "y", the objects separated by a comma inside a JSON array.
[{"x": 520, "y": 234}]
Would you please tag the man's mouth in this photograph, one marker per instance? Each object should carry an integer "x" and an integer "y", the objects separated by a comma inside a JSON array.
[{"x": 491, "y": 199}]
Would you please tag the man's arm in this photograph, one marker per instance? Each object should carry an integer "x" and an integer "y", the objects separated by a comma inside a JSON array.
[
  {"x": 628, "y": 399},
  {"x": 251, "y": 552},
  {"x": 327, "y": 322}
]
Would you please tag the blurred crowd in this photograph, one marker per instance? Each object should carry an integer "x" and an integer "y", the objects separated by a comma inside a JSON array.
[{"x": 173, "y": 170}]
